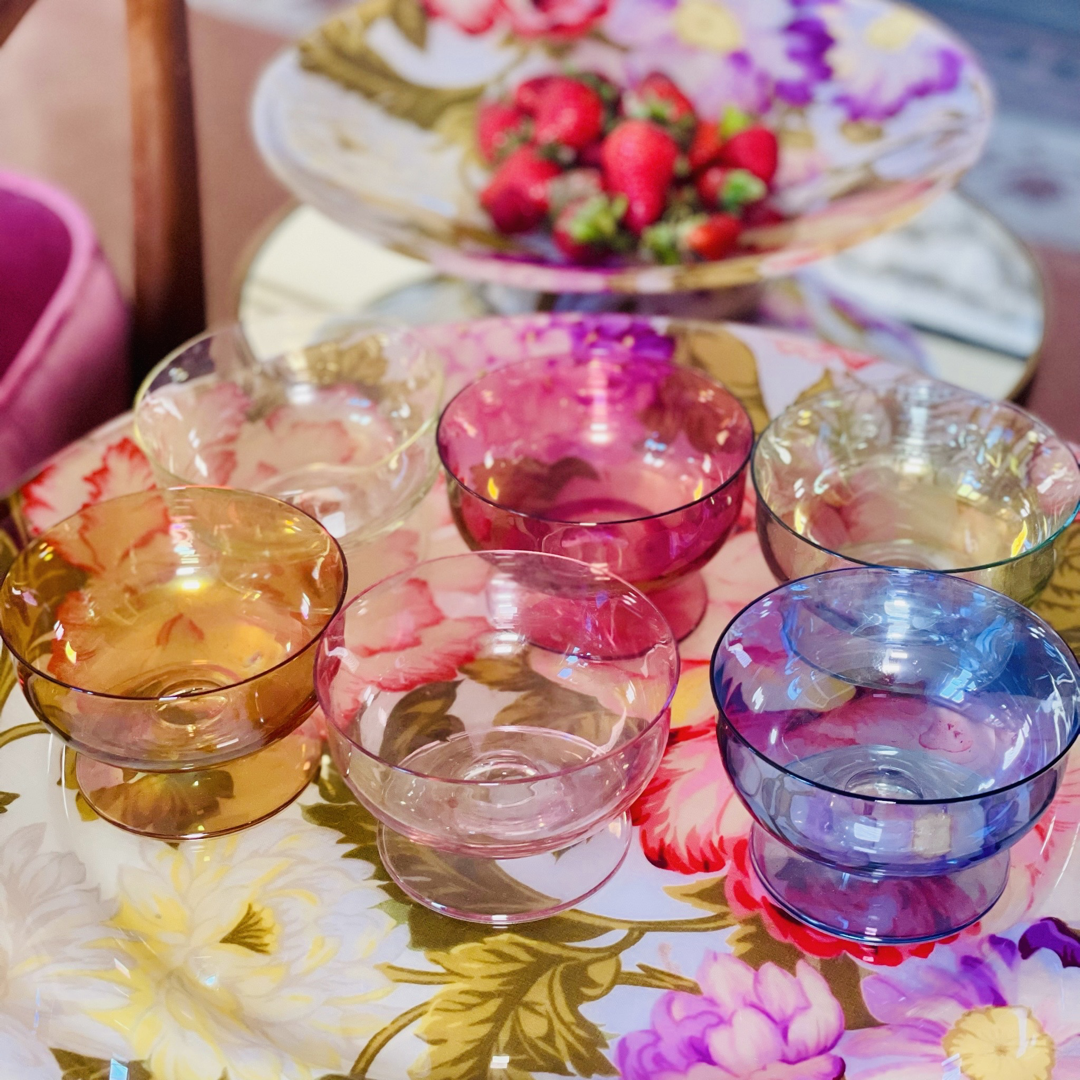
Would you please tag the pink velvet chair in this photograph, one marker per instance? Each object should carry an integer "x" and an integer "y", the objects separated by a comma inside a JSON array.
[{"x": 63, "y": 327}]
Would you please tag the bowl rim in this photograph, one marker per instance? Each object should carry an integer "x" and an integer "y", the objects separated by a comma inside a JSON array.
[
  {"x": 661, "y": 716},
  {"x": 236, "y": 328},
  {"x": 571, "y": 360},
  {"x": 43, "y": 537},
  {"x": 943, "y": 389},
  {"x": 725, "y": 724}
]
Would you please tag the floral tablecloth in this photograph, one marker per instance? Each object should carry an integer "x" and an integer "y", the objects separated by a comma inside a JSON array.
[{"x": 284, "y": 953}]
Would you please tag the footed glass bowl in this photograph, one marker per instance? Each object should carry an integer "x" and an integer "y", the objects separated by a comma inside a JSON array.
[
  {"x": 633, "y": 465},
  {"x": 168, "y": 638},
  {"x": 342, "y": 428},
  {"x": 893, "y": 733},
  {"x": 917, "y": 474},
  {"x": 499, "y": 713}
]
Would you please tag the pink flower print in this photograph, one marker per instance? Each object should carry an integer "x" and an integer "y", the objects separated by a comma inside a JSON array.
[
  {"x": 398, "y": 639},
  {"x": 123, "y": 470},
  {"x": 527, "y": 18},
  {"x": 689, "y": 814},
  {"x": 751, "y": 1025}
]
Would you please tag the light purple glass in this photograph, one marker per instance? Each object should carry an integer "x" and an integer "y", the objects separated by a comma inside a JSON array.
[
  {"x": 633, "y": 465},
  {"x": 499, "y": 712},
  {"x": 893, "y": 733}
]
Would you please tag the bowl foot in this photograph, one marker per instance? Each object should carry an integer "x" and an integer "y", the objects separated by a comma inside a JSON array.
[
  {"x": 683, "y": 604},
  {"x": 876, "y": 910},
  {"x": 201, "y": 802},
  {"x": 500, "y": 892}
]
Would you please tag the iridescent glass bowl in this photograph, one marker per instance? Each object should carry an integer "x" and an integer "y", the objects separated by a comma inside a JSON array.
[
  {"x": 893, "y": 733},
  {"x": 633, "y": 465},
  {"x": 342, "y": 428},
  {"x": 498, "y": 713},
  {"x": 918, "y": 474},
  {"x": 168, "y": 637}
]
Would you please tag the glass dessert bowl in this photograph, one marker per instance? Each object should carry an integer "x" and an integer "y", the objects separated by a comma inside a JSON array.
[
  {"x": 893, "y": 733},
  {"x": 635, "y": 466},
  {"x": 498, "y": 713},
  {"x": 917, "y": 474},
  {"x": 168, "y": 637},
  {"x": 342, "y": 428}
]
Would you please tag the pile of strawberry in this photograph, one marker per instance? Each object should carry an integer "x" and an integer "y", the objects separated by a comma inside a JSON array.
[{"x": 623, "y": 173}]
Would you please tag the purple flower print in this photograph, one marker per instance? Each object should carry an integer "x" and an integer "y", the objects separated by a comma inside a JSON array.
[
  {"x": 996, "y": 1010},
  {"x": 752, "y": 1025},
  {"x": 619, "y": 336},
  {"x": 750, "y": 53}
]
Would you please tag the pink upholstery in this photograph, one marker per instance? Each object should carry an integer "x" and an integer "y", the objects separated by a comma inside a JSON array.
[{"x": 63, "y": 327}]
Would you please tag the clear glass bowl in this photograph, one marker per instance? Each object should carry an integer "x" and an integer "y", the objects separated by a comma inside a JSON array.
[
  {"x": 167, "y": 634},
  {"x": 342, "y": 428},
  {"x": 893, "y": 733},
  {"x": 917, "y": 474},
  {"x": 498, "y": 713},
  {"x": 632, "y": 465}
]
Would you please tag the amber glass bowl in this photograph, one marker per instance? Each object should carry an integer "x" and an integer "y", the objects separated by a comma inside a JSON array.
[{"x": 171, "y": 633}]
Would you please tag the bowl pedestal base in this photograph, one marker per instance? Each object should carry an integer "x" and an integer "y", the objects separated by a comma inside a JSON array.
[
  {"x": 200, "y": 802},
  {"x": 500, "y": 892},
  {"x": 874, "y": 908}
]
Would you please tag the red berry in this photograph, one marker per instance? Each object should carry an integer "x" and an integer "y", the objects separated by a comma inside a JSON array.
[
  {"x": 499, "y": 129},
  {"x": 721, "y": 188},
  {"x": 639, "y": 162},
  {"x": 755, "y": 150},
  {"x": 656, "y": 97},
  {"x": 527, "y": 95},
  {"x": 586, "y": 229},
  {"x": 516, "y": 196},
  {"x": 714, "y": 237},
  {"x": 568, "y": 113},
  {"x": 706, "y": 146}
]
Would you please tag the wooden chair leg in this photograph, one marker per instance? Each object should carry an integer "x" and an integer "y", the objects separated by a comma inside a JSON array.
[{"x": 170, "y": 304}]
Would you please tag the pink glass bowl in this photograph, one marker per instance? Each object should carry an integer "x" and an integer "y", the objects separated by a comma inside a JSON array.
[
  {"x": 173, "y": 632},
  {"x": 635, "y": 466},
  {"x": 498, "y": 713}
]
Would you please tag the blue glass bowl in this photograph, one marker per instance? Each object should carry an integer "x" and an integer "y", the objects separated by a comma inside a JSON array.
[{"x": 893, "y": 733}]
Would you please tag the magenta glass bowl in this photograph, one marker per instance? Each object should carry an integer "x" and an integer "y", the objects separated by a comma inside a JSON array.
[
  {"x": 498, "y": 713},
  {"x": 632, "y": 465},
  {"x": 892, "y": 732}
]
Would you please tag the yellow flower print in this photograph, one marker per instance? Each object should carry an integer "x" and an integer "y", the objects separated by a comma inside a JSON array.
[
  {"x": 706, "y": 24},
  {"x": 252, "y": 955},
  {"x": 1001, "y": 1043}
]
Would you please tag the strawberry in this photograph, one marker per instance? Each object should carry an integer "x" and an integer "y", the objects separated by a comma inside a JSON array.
[
  {"x": 729, "y": 189},
  {"x": 638, "y": 158},
  {"x": 500, "y": 128},
  {"x": 574, "y": 185},
  {"x": 586, "y": 230},
  {"x": 516, "y": 196},
  {"x": 714, "y": 237},
  {"x": 527, "y": 95},
  {"x": 706, "y": 146},
  {"x": 754, "y": 149},
  {"x": 657, "y": 98},
  {"x": 568, "y": 113}
]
